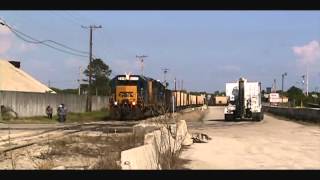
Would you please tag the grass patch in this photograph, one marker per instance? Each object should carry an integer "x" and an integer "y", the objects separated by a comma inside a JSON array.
[
  {"x": 109, "y": 161},
  {"x": 71, "y": 117}
]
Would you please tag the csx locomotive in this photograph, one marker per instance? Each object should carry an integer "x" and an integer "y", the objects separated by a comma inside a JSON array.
[{"x": 137, "y": 96}]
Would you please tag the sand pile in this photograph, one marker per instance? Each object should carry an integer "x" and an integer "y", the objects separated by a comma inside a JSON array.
[{"x": 14, "y": 79}]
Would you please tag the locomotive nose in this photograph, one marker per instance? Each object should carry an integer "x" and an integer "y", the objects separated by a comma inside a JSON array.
[{"x": 125, "y": 101}]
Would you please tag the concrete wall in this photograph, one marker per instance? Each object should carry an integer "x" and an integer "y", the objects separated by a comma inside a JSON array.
[
  {"x": 28, "y": 104},
  {"x": 156, "y": 143},
  {"x": 305, "y": 114}
]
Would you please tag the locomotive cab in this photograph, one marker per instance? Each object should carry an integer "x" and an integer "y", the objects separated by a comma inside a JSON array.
[
  {"x": 126, "y": 95},
  {"x": 134, "y": 95}
]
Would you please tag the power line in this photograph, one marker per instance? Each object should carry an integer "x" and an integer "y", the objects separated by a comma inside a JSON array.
[
  {"x": 39, "y": 42},
  {"x": 58, "y": 49},
  {"x": 20, "y": 35},
  {"x": 15, "y": 31},
  {"x": 79, "y": 18}
]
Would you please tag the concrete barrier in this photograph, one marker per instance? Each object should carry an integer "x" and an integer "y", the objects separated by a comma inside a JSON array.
[
  {"x": 27, "y": 104},
  {"x": 144, "y": 128},
  {"x": 142, "y": 157},
  {"x": 156, "y": 143},
  {"x": 306, "y": 114},
  {"x": 182, "y": 135}
]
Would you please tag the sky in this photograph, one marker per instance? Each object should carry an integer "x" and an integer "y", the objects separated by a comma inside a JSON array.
[{"x": 205, "y": 49}]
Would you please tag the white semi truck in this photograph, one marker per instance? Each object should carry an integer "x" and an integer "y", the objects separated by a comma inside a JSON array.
[{"x": 244, "y": 100}]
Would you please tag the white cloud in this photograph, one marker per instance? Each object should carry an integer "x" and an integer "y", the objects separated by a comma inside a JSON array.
[
  {"x": 308, "y": 53},
  {"x": 5, "y": 44},
  {"x": 24, "y": 47},
  {"x": 6, "y": 41},
  {"x": 4, "y": 30}
]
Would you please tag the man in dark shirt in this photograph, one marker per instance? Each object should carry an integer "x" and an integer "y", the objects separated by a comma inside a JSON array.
[{"x": 49, "y": 111}]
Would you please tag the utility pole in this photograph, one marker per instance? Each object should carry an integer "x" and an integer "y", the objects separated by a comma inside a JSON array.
[
  {"x": 304, "y": 87},
  {"x": 89, "y": 100},
  {"x": 175, "y": 92},
  {"x": 0, "y": 107},
  {"x": 49, "y": 84},
  {"x": 307, "y": 80},
  {"x": 175, "y": 84},
  {"x": 180, "y": 92},
  {"x": 79, "y": 81},
  {"x": 318, "y": 86},
  {"x": 274, "y": 88},
  {"x": 304, "y": 83},
  {"x": 181, "y": 84},
  {"x": 141, "y": 62},
  {"x": 165, "y": 71},
  {"x": 284, "y": 74}
]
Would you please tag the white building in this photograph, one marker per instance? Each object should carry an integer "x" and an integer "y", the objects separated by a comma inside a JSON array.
[{"x": 12, "y": 78}]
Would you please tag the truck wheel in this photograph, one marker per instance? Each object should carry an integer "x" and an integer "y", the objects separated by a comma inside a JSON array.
[
  {"x": 261, "y": 116},
  {"x": 257, "y": 116},
  {"x": 228, "y": 117},
  {"x": 254, "y": 117}
]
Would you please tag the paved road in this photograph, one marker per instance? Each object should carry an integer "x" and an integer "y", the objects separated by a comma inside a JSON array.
[{"x": 269, "y": 144}]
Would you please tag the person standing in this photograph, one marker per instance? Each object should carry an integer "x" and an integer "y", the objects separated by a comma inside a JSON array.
[
  {"x": 64, "y": 112},
  {"x": 60, "y": 113},
  {"x": 49, "y": 111}
]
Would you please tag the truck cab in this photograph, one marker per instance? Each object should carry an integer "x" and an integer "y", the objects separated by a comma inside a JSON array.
[{"x": 244, "y": 100}]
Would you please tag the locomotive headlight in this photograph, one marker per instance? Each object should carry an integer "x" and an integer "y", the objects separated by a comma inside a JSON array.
[
  {"x": 115, "y": 103},
  {"x": 133, "y": 103}
]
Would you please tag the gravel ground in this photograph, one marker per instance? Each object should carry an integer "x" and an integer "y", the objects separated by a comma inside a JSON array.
[{"x": 269, "y": 144}]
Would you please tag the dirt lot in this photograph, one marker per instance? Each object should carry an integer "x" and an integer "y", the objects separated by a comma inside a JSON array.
[
  {"x": 94, "y": 145},
  {"x": 85, "y": 150},
  {"x": 269, "y": 144}
]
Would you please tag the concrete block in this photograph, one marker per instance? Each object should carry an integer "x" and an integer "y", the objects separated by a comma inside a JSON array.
[
  {"x": 142, "y": 157},
  {"x": 187, "y": 140},
  {"x": 144, "y": 128},
  {"x": 156, "y": 142},
  {"x": 182, "y": 135}
]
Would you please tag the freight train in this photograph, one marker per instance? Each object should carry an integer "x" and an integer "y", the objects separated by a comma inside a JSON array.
[{"x": 138, "y": 96}]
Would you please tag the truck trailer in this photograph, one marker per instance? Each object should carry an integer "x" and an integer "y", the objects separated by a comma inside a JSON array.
[{"x": 244, "y": 101}]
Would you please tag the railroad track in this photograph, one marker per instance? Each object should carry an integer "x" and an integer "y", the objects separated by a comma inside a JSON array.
[
  {"x": 10, "y": 144},
  {"x": 18, "y": 142}
]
